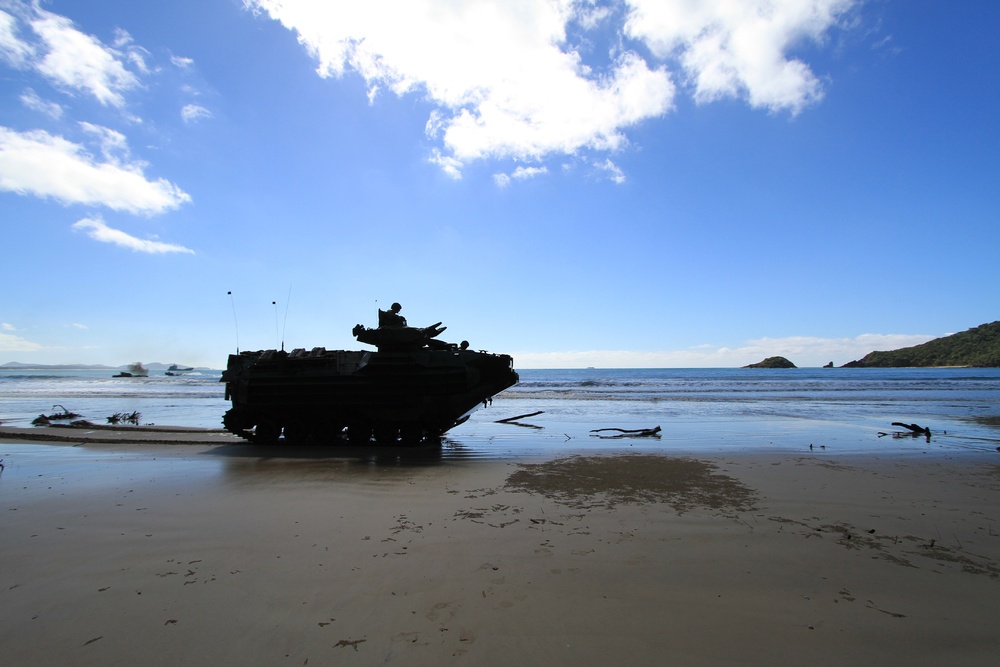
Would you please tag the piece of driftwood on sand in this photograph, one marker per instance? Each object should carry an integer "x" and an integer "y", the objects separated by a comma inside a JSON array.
[
  {"x": 513, "y": 419},
  {"x": 629, "y": 433}
]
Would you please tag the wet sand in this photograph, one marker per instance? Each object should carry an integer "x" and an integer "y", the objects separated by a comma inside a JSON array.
[{"x": 197, "y": 553}]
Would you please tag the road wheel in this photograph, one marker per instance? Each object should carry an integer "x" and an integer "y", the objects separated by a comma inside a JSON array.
[
  {"x": 297, "y": 432},
  {"x": 359, "y": 433},
  {"x": 385, "y": 434},
  {"x": 266, "y": 432},
  {"x": 411, "y": 434}
]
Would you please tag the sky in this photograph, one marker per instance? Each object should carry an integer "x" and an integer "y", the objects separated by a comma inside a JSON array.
[{"x": 625, "y": 183}]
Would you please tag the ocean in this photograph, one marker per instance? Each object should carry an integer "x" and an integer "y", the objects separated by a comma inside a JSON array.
[{"x": 728, "y": 409}]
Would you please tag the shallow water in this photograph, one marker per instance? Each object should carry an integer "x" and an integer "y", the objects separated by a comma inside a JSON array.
[{"x": 833, "y": 410}]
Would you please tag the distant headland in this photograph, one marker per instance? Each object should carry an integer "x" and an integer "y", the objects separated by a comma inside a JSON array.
[{"x": 978, "y": 347}]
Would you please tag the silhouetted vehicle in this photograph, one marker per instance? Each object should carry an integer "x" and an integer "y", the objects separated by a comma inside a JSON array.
[{"x": 413, "y": 389}]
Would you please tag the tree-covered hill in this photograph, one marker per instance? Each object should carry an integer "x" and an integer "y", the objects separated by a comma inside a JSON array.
[{"x": 977, "y": 347}]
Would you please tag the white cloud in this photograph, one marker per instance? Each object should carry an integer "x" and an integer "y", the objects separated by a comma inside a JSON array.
[
  {"x": 40, "y": 164},
  {"x": 738, "y": 48},
  {"x": 77, "y": 325},
  {"x": 80, "y": 61},
  {"x": 448, "y": 164},
  {"x": 113, "y": 144},
  {"x": 518, "y": 79},
  {"x": 30, "y": 99},
  {"x": 519, "y": 174},
  {"x": 192, "y": 113},
  {"x": 97, "y": 230},
  {"x": 7, "y": 326},
  {"x": 501, "y": 73},
  {"x": 613, "y": 171},
  {"x": 131, "y": 51},
  {"x": 15, "y": 50},
  {"x": 12, "y": 343},
  {"x": 51, "y": 45},
  {"x": 181, "y": 62}
]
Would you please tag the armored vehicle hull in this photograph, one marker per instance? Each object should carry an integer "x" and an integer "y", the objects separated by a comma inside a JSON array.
[{"x": 408, "y": 392}]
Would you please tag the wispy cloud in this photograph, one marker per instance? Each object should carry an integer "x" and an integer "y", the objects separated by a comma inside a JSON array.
[
  {"x": 192, "y": 113},
  {"x": 525, "y": 80},
  {"x": 30, "y": 99},
  {"x": 44, "y": 165},
  {"x": 96, "y": 229},
  {"x": 11, "y": 343},
  {"x": 612, "y": 171},
  {"x": 519, "y": 174},
  {"x": 50, "y": 44},
  {"x": 13, "y": 48}
]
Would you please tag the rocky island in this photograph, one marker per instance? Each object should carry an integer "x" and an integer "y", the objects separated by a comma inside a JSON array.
[{"x": 773, "y": 362}]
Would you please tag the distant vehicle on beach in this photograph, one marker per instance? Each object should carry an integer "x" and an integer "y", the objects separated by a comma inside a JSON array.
[{"x": 413, "y": 389}]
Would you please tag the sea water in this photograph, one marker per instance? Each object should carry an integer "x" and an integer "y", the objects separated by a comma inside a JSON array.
[
  {"x": 807, "y": 409},
  {"x": 194, "y": 398}
]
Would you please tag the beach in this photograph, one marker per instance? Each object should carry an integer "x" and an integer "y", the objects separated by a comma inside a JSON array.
[{"x": 184, "y": 550}]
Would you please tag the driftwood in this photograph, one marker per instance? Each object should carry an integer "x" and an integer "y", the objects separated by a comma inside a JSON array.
[
  {"x": 917, "y": 430},
  {"x": 912, "y": 431},
  {"x": 629, "y": 433},
  {"x": 127, "y": 417},
  {"x": 46, "y": 420},
  {"x": 513, "y": 419},
  {"x": 65, "y": 414}
]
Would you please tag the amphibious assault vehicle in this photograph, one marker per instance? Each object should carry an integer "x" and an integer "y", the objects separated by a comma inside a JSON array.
[{"x": 413, "y": 388}]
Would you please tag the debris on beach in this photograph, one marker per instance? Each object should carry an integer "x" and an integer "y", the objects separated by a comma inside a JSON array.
[
  {"x": 46, "y": 420},
  {"x": 514, "y": 420},
  {"x": 353, "y": 643},
  {"x": 912, "y": 431},
  {"x": 629, "y": 433},
  {"x": 125, "y": 417},
  {"x": 65, "y": 414}
]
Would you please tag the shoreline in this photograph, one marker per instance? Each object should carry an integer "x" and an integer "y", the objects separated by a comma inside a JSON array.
[
  {"x": 100, "y": 433},
  {"x": 133, "y": 551}
]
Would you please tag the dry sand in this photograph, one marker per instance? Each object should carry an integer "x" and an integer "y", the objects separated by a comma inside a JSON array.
[{"x": 160, "y": 554}]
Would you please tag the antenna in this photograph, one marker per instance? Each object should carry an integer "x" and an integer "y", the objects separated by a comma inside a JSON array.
[
  {"x": 233, "y": 302},
  {"x": 275, "y": 304},
  {"x": 285, "y": 323}
]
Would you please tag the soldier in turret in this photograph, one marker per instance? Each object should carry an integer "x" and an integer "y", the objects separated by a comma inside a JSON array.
[{"x": 391, "y": 317}]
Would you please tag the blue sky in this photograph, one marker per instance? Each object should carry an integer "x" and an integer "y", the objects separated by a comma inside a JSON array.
[{"x": 577, "y": 183}]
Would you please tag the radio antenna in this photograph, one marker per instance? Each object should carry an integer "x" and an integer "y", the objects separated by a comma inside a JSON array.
[
  {"x": 285, "y": 323},
  {"x": 275, "y": 304},
  {"x": 235, "y": 321}
]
